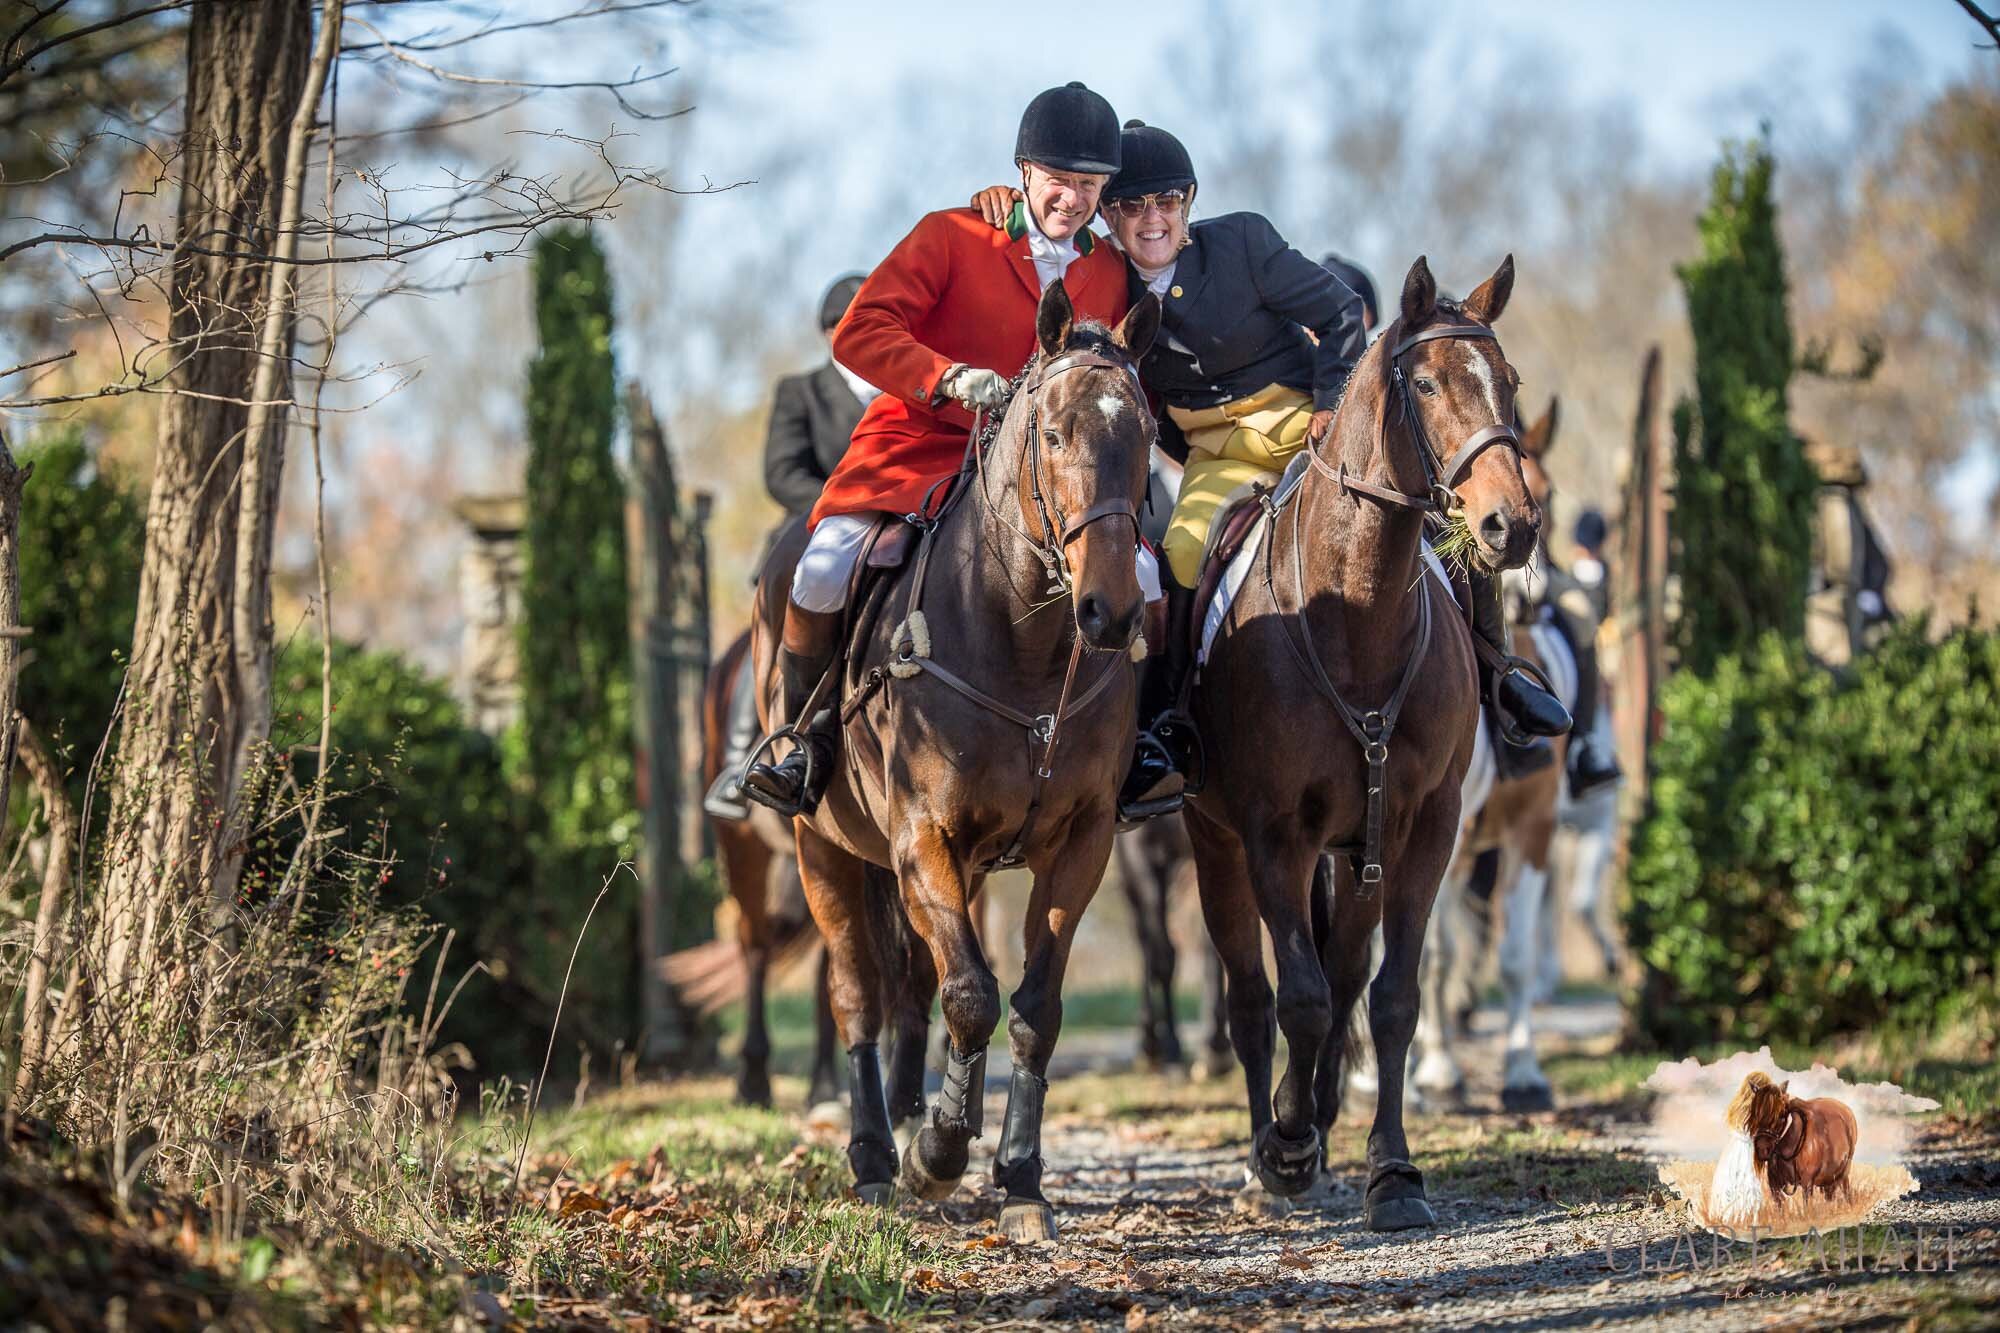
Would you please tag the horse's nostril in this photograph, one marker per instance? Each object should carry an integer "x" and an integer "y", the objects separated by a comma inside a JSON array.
[
  {"x": 1493, "y": 528},
  {"x": 1090, "y": 612}
]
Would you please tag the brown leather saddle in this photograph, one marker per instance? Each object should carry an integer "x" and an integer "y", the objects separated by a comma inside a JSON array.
[{"x": 1234, "y": 526}]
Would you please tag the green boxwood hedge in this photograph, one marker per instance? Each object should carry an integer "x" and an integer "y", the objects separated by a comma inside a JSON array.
[{"x": 1822, "y": 852}]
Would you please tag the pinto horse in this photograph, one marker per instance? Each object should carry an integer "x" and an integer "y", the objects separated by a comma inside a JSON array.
[
  {"x": 1803, "y": 1144},
  {"x": 987, "y": 720},
  {"x": 1339, "y": 706}
]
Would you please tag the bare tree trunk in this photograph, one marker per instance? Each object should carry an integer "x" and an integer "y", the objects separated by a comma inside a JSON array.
[
  {"x": 48, "y": 781},
  {"x": 264, "y": 459},
  {"x": 246, "y": 73},
  {"x": 13, "y": 477}
]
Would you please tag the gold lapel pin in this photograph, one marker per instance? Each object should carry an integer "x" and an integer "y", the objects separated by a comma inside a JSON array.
[{"x": 1174, "y": 290}]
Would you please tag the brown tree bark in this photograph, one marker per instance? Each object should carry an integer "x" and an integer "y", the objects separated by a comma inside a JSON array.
[{"x": 186, "y": 706}]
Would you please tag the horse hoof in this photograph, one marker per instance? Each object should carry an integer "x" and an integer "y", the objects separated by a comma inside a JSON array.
[
  {"x": 754, "y": 1092},
  {"x": 1395, "y": 1200},
  {"x": 1530, "y": 1097},
  {"x": 1400, "y": 1214},
  {"x": 876, "y": 1195},
  {"x": 917, "y": 1179},
  {"x": 1284, "y": 1167},
  {"x": 1027, "y": 1221},
  {"x": 1215, "y": 1064}
]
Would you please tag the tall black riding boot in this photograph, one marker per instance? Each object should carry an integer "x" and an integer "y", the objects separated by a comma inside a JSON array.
[
  {"x": 1519, "y": 711},
  {"x": 794, "y": 784},
  {"x": 1592, "y": 762},
  {"x": 1164, "y": 754},
  {"x": 725, "y": 795}
]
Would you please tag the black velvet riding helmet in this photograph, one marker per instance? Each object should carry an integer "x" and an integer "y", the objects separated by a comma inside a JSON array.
[
  {"x": 1356, "y": 278},
  {"x": 1069, "y": 129},
  {"x": 1153, "y": 161},
  {"x": 838, "y": 297}
]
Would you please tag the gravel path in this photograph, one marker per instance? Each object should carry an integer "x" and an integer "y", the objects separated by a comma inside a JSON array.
[{"x": 1147, "y": 1177}]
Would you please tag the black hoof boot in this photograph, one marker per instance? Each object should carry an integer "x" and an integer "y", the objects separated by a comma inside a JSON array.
[
  {"x": 871, "y": 1151},
  {"x": 1284, "y": 1167},
  {"x": 1395, "y": 1200}
]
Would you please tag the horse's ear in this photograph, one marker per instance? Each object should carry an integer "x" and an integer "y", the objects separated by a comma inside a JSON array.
[
  {"x": 1420, "y": 294},
  {"x": 1543, "y": 433},
  {"x": 1139, "y": 327},
  {"x": 1785, "y": 1087},
  {"x": 1053, "y": 318},
  {"x": 1489, "y": 298}
]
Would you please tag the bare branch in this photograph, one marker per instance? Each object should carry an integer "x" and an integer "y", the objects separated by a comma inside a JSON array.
[
  {"x": 615, "y": 88},
  {"x": 30, "y": 365},
  {"x": 16, "y": 65},
  {"x": 493, "y": 27},
  {"x": 1984, "y": 20}
]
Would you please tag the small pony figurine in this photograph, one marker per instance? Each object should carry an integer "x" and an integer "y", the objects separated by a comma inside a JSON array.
[{"x": 1803, "y": 1145}]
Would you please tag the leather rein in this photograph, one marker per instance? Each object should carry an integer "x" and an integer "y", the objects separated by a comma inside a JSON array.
[
  {"x": 1372, "y": 728},
  {"x": 1051, "y": 547}
]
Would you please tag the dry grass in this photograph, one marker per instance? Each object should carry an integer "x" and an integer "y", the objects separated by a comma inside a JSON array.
[{"x": 1795, "y": 1214}]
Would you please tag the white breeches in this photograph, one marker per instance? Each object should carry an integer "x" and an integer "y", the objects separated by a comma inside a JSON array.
[{"x": 820, "y": 581}]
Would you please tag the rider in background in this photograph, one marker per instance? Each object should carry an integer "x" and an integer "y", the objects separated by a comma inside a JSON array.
[
  {"x": 940, "y": 326},
  {"x": 813, "y": 415},
  {"x": 1580, "y": 597},
  {"x": 1256, "y": 344},
  {"x": 1357, "y": 281}
]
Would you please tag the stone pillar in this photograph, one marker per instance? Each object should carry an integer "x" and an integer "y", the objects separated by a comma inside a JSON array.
[{"x": 489, "y": 590}]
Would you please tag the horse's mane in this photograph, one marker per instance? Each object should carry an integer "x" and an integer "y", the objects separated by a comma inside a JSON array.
[{"x": 1084, "y": 335}]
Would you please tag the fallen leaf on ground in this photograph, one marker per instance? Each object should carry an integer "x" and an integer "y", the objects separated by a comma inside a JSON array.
[
  {"x": 583, "y": 1201},
  {"x": 1291, "y": 1258}
]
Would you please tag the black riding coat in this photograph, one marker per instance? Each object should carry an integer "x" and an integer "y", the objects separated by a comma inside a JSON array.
[
  {"x": 812, "y": 418},
  {"x": 1241, "y": 301}
]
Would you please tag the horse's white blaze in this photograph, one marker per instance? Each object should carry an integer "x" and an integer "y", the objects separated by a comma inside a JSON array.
[
  {"x": 1483, "y": 372},
  {"x": 1111, "y": 405}
]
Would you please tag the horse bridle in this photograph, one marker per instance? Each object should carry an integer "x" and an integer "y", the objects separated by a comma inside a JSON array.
[
  {"x": 1440, "y": 479},
  {"x": 1051, "y": 545}
]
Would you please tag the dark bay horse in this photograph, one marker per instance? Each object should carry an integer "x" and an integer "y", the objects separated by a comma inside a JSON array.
[
  {"x": 988, "y": 726},
  {"x": 1339, "y": 707}
]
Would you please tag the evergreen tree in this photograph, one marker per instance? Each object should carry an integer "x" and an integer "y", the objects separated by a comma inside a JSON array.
[
  {"x": 576, "y": 654},
  {"x": 1743, "y": 492}
]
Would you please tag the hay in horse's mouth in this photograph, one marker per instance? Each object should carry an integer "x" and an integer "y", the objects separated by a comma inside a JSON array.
[{"x": 1456, "y": 546}]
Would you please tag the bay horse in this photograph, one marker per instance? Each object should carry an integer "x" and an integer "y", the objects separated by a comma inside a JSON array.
[
  {"x": 987, "y": 721},
  {"x": 757, "y": 861},
  {"x": 1340, "y": 609},
  {"x": 1150, "y": 860},
  {"x": 1803, "y": 1144}
]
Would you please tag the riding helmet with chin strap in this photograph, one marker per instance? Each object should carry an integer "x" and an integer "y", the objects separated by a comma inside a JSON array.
[
  {"x": 1152, "y": 161},
  {"x": 1069, "y": 128}
]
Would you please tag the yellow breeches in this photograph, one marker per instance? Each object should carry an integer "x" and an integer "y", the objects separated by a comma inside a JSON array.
[{"x": 1228, "y": 447}]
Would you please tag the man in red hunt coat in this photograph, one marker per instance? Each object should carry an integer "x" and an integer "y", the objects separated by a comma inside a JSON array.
[{"x": 940, "y": 327}]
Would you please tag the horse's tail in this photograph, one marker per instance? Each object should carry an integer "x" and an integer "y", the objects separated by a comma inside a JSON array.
[
  {"x": 711, "y": 976},
  {"x": 1348, "y": 1041}
]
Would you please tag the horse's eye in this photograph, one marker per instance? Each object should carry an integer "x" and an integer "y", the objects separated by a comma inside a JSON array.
[
  {"x": 1427, "y": 386},
  {"x": 1053, "y": 440}
]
